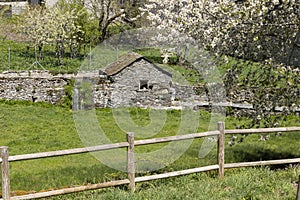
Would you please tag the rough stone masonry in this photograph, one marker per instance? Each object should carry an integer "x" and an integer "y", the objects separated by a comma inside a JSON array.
[{"x": 41, "y": 86}]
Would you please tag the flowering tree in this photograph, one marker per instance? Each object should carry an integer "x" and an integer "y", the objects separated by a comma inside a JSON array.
[
  {"x": 56, "y": 26},
  {"x": 109, "y": 12},
  {"x": 251, "y": 29},
  {"x": 259, "y": 30}
]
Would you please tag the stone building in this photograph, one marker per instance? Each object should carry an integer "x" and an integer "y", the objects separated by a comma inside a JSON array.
[
  {"x": 135, "y": 81},
  {"x": 132, "y": 80}
]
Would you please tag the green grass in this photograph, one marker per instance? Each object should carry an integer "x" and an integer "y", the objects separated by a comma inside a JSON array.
[
  {"x": 154, "y": 55},
  {"x": 29, "y": 128},
  {"x": 239, "y": 184},
  {"x": 15, "y": 56}
]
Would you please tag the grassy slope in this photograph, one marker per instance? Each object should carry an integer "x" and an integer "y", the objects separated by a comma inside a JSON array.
[{"x": 36, "y": 128}]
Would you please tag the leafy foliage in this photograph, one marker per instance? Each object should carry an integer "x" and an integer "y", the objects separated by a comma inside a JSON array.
[
  {"x": 269, "y": 87},
  {"x": 84, "y": 20}
]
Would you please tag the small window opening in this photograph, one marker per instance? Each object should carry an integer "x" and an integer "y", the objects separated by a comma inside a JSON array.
[{"x": 144, "y": 84}]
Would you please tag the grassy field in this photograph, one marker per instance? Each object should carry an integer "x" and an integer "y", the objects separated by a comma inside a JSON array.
[
  {"x": 240, "y": 184},
  {"x": 30, "y": 128},
  {"x": 17, "y": 56}
]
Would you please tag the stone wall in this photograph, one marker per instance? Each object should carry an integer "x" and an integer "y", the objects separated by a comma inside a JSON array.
[
  {"x": 90, "y": 89},
  {"x": 188, "y": 93},
  {"x": 123, "y": 89},
  {"x": 35, "y": 86}
]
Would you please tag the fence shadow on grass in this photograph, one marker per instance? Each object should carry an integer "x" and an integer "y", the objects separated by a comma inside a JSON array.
[{"x": 252, "y": 152}]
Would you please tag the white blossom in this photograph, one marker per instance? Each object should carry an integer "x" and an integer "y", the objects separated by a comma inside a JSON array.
[{"x": 261, "y": 26}]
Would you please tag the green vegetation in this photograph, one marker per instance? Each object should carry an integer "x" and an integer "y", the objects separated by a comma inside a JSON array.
[
  {"x": 60, "y": 36},
  {"x": 267, "y": 86},
  {"x": 154, "y": 55},
  {"x": 17, "y": 56},
  {"x": 29, "y": 128},
  {"x": 239, "y": 184}
]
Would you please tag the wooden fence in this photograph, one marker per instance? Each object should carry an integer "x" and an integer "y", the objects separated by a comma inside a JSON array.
[{"x": 130, "y": 144}]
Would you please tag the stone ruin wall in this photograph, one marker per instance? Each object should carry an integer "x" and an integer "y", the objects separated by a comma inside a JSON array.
[
  {"x": 35, "y": 86},
  {"x": 41, "y": 86}
]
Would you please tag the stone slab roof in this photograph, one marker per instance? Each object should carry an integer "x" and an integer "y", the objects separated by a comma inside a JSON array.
[{"x": 125, "y": 61}]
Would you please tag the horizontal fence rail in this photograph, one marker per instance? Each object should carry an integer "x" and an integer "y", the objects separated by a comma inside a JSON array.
[
  {"x": 5, "y": 159},
  {"x": 262, "y": 163},
  {"x": 109, "y": 146},
  {"x": 262, "y": 130},
  {"x": 145, "y": 142},
  {"x": 67, "y": 152}
]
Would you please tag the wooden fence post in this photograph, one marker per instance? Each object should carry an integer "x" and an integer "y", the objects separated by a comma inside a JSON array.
[
  {"x": 5, "y": 173},
  {"x": 298, "y": 190},
  {"x": 221, "y": 148},
  {"x": 130, "y": 161}
]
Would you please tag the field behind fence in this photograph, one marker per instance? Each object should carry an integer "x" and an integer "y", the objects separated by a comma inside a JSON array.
[{"x": 130, "y": 145}]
